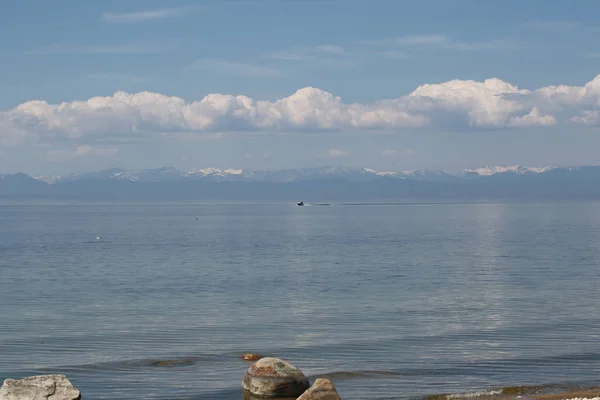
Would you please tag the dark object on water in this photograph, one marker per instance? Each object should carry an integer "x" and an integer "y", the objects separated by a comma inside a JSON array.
[
  {"x": 172, "y": 363},
  {"x": 300, "y": 203}
]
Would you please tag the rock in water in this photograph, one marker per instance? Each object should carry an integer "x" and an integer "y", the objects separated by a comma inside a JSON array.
[
  {"x": 322, "y": 389},
  {"x": 252, "y": 357},
  {"x": 172, "y": 363},
  {"x": 272, "y": 377},
  {"x": 41, "y": 387}
]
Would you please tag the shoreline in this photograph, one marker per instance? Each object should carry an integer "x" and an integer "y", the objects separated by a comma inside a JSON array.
[
  {"x": 534, "y": 392},
  {"x": 563, "y": 391}
]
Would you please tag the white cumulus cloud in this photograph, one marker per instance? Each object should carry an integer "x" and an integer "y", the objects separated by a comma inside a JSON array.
[
  {"x": 534, "y": 118},
  {"x": 480, "y": 103},
  {"x": 588, "y": 117},
  {"x": 453, "y": 105}
]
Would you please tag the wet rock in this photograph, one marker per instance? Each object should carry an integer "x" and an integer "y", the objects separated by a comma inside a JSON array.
[
  {"x": 41, "y": 387},
  {"x": 272, "y": 377},
  {"x": 322, "y": 389},
  {"x": 252, "y": 357},
  {"x": 246, "y": 395}
]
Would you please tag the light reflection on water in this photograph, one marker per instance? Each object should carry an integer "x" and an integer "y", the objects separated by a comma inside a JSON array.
[{"x": 393, "y": 301}]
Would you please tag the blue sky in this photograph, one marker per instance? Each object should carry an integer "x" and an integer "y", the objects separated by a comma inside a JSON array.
[{"x": 259, "y": 84}]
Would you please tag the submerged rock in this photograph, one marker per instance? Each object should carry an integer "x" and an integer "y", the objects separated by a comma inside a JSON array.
[
  {"x": 252, "y": 357},
  {"x": 322, "y": 389},
  {"x": 172, "y": 363},
  {"x": 272, "y": 377},
  {"x": 41, "y": 387}
]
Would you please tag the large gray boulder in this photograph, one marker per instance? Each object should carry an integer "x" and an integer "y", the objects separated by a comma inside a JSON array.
[
  {"x": 322, "y": 389},
  {"x": 41, "y": 387},
  {"x": 272, "y": 377}
]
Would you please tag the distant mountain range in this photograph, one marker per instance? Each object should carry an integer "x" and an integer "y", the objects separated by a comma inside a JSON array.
[
  {"x": 289, "y": 175},
  {"x": 312, "y": 184},
  {"x": 240, "y": 175}
]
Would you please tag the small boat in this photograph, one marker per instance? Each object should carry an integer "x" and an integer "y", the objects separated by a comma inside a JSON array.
[
  {"x": 98, "y": 237},
  {"x": 300, "y": 203}
]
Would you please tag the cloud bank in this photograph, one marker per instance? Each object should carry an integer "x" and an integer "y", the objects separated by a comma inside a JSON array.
[{"x": 457, "y": 105}]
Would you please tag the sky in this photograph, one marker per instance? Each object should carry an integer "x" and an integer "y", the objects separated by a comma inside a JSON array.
[{"x": 272, "y": 84}]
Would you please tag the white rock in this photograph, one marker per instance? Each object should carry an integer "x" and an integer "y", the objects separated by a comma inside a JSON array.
[{"x": 41, "y": 387}]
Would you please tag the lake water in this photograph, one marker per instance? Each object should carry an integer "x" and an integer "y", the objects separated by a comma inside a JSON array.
[{"x": 389, "y": 301}]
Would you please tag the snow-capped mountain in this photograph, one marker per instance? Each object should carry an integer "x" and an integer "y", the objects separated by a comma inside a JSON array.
[
  {"x": 230, "y": 174},
  {"x": 20, "y": 183},
  {"x": 334, "y": 183},
  {"x": 429, "y": 175},
  {"x": 49, "y": 179},
  {"x": 389, "y": 173},
  {"x": 213, "y": 172},
  {"x": 295, "y": 175},
  {"x": 113, "y": 174},
  {"x": 490, "y": 170}
]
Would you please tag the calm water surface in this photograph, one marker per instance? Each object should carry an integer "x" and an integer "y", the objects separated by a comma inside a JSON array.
[{"x": 390, "y": 301}]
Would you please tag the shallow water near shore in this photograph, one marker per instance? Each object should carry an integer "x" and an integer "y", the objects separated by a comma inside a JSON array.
[{"x": 391, "y": 301}]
